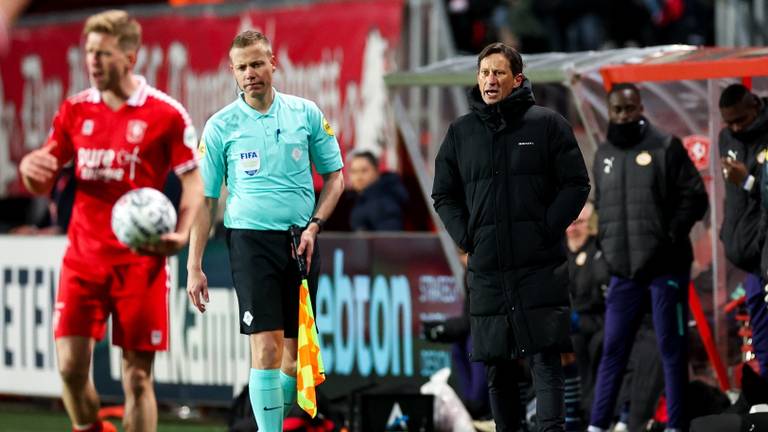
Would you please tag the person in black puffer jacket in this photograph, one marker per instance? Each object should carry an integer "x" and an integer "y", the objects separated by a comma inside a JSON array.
[
  {"x": 380, "y": 197},
  {"x": 588, "y": 274},
  {"x": 509, "y": 178},
  {"x": 743, "y": 143},
  {"x": 649, "y": 195}
]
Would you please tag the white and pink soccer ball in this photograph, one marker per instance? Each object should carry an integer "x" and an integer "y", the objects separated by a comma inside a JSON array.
[{"x": 141, "y": 216}]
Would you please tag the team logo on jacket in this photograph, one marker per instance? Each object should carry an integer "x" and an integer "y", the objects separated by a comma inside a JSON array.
[
  {"x": 581, "y": 258},
  {"x": 643, "y": 159},
  {"x": 134, "y": 132},
  {"x": 608, "y": 165},
  {"x": 250, "y": 162}
]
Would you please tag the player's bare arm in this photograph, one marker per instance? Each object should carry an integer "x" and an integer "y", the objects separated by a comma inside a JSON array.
[
  {"x": 39, "y": 169},
  {"x": 191, "y": 202},
  {"x": 333, "y": 187},
  {"x": 197, "y": 283}
]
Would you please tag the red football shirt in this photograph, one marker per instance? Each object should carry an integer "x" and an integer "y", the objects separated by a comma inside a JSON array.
[{"x": 114, "y": 152}]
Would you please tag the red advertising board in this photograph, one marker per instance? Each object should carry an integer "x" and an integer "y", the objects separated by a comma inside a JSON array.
[{"x": 334, "y": 53}]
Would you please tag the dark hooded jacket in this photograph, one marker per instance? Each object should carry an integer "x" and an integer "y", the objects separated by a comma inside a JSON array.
[
  {"x": 648, "y": 194},
  {"x": 589, "y": 278},
  {"x": 509, "y": 178},
  {"x": 743, "y": 228},
  {"x": 380, "y": 206}
]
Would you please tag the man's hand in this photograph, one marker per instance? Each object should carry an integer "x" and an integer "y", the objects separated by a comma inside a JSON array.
[
  {"x": 38, "y": 170},
  {"x": 734, "y": 171},
  {"x": 169, "y": 244},
  {"x": 197, "y": 288},
  {"x": 307, "y": 243}
]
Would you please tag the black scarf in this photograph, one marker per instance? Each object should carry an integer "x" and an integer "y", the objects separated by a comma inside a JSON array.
[{"x": 627, "y": 134}]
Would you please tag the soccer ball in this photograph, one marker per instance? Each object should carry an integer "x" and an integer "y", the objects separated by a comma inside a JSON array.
[{"x": 141, "y": 216}]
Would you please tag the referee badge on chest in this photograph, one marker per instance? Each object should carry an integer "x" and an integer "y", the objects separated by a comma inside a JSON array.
[{"x": 250, "y": 162}]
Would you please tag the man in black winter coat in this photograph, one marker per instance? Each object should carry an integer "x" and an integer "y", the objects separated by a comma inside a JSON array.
[
  {"x": 509, "y": 178},
  {"x": 743, "y": 143},
  {"x": 648, "y": 194},
  {"x": 380, "y": 197}
]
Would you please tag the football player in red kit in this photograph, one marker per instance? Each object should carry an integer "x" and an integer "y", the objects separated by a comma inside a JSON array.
[{"x": 121, "y": 134}]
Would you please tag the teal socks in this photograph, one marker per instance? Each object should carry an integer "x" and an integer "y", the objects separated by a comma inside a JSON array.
[
  {"x": 289, "y": 392},
  {"x": 266, "y": 392}
]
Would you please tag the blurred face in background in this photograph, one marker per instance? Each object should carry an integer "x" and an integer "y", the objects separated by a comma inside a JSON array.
[
  {"x": 107, "y": 63},
  {"x": 624, "y": 106},
  {"x": 579, "y": 228},
  {"x": 253, "y": 67},
  {"x": 362, "y": 173},
  {"x": 740, "y": 116},
  {"x": 495, "y": 78}
]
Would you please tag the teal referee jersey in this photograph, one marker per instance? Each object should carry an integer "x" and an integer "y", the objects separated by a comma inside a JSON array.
[{"x": 265, "y": 161}]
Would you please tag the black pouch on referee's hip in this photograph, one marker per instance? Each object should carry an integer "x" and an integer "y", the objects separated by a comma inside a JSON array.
[{"x": 295, "y": 232}]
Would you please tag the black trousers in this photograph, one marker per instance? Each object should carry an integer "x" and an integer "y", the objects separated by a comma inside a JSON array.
[
  {"x": 548, "y": 384},
  {"x": 588, "y": 346}
]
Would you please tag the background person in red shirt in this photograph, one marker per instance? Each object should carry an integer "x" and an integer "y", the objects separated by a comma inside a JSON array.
[{"x": 121, "y": 134}]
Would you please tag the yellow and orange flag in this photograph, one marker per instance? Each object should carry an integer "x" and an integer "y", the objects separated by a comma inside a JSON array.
[{"x": 310, "y": 371}]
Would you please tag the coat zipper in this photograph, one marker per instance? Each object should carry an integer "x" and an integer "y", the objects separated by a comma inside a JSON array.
[{"x": 624, "y": 217}]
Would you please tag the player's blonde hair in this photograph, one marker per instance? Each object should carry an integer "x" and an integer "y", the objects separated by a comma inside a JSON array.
[
  {"x": 116, "y": 23},
  {"x": 251, "y": 37}
]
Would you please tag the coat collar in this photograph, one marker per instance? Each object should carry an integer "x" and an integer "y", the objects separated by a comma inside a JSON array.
[{"x": 498, "y": 115}]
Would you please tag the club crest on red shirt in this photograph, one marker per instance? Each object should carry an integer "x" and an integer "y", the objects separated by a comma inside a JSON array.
[{"x": 134, "y": 132}]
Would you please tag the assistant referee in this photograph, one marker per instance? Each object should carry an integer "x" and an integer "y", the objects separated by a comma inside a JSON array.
[{"x": 262, "y": 146}]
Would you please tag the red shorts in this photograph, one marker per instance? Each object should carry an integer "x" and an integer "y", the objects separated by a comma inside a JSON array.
[{"x": 135, "y": 294}]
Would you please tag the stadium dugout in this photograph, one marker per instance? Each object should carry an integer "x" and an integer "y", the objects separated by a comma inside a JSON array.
[{"x": 680, "y": 85}]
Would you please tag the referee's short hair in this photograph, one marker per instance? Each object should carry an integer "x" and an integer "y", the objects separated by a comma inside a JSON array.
[{"x": 251, "y": 37}]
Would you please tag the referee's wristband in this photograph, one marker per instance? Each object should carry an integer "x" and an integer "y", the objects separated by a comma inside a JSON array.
[
  {"x": 749, "y": 183},
  {"x": 319, "y": 223}
]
